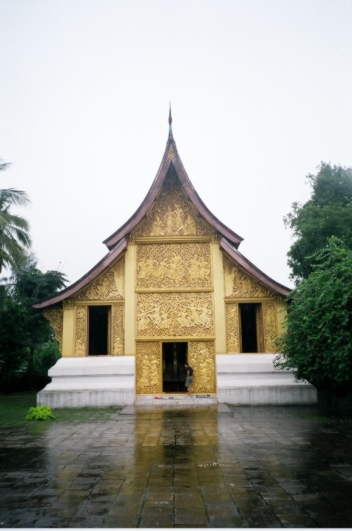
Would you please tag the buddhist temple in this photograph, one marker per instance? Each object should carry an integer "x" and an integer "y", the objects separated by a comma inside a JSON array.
[{"x": 173, "y": 288}]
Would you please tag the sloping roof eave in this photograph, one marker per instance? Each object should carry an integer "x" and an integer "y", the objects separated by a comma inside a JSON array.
[
  {"x": 252, "y": 269},
  {"x": 105, "y": 262}
]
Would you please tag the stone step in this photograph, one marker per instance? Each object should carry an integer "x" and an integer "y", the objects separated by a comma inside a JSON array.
[{"x": 175, "y": 399}]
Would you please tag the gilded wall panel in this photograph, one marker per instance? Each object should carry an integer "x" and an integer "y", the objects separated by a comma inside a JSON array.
[
  {"x": 173, "y": 215},
  {"x": 107, "y": 287},
  {"x": 202, "y": 359},
  {"x": 81, "y": 331},
  {"x": 148, "y": 367},
  {"x": 175, "y": 314},
  {"x": 240, "y": 285},
  {"x": 270, "y": 332},
  {"x": 117, "y": 330},
  {"x": 232, "y": 328},
  {"x": 174, "y": 266},
  {"x": 55, "y": 316}
]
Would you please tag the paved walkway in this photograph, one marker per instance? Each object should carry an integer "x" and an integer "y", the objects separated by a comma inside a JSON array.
[{"x": 190, "y": 466}]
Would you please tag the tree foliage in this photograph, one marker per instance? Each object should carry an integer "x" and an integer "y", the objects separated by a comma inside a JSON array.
[
  {"x": 14, "y": 229},
  {"x": 318, "y": 340},
  {"x": 327, "y": 213},
  {"x": 27, "y": 342}
]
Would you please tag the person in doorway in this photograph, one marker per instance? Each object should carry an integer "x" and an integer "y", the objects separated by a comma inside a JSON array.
[{"x": 189, "y": 378}]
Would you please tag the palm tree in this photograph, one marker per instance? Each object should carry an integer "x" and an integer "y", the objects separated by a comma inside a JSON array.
[{"x": 14, "y": 237}]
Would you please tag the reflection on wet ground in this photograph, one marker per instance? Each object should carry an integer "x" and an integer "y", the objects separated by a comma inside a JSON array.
[{"x": 179, "y": 467}]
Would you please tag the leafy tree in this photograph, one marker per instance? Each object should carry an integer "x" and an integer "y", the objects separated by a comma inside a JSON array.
[
  {"x": 14, "y": 350},
  {"x": 327, "y": 213},
  {"x": 318, "y": 340},
  {"x": 29, "y": 285},
  {"x": 14, "y": 236}
]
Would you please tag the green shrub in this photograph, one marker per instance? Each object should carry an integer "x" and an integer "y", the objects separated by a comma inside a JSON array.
[
  {"x": 40, "y": 413},
  {"x": 44, "y": 357},
  {"x": 318, "y": 343}
]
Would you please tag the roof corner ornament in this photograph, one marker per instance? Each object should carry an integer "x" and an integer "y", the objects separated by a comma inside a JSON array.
[{"x": 170, "y": 123}]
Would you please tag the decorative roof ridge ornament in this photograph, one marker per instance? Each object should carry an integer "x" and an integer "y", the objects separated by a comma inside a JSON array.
[{"x": 171, "y": 136}]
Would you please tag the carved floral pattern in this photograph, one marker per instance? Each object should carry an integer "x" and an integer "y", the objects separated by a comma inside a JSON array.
[
  {"x": 174, "y": 265},
  {"x": 239, "y": 284},
  {"x": 174, "y": 314},
  {"x": 232, "y": 328},
  {"x": 117, "y": 330},
  {"x": 81, "y": 331},
  {"x": 173, "y": 215},
  {"x": 108, "y": 286},
  {"x": 55, "y": 316},
  {"x": 148, "y": 367},
  {"x": 202, "y": 360},
  {"x": 270, "y": 332}
]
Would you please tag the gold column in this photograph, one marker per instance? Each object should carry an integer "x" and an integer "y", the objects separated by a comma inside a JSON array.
[
  {"x": 281, "y": 311},
  {"x": 219, "y": 304},
  {"x": 130, "y": 310},
  {"x": 68, "y": 332}
]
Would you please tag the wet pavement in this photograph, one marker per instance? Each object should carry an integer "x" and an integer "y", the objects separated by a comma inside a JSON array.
[{"x": 179, "y": 467}]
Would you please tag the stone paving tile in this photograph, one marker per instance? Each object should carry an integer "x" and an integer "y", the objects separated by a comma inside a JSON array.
[{"x": 190, "y": 467}]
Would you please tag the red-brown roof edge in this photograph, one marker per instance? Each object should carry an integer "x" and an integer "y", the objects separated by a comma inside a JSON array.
[
  {"x": 87, "y": 278},
  {"x": 175, "y": 160},
  {"x": 252, "y": 269}
]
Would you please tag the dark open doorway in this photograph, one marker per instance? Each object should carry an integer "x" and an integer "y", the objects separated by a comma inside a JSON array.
[
  {"x": 99, "y": 317},
  {"x": 250, "y": 327},
  {"x": 174, "y": 359}
]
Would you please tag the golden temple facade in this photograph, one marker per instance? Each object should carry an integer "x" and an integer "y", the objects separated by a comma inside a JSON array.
[{"x": 173, "y": 288}]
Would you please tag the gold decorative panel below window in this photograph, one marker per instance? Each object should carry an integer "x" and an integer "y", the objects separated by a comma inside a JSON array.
[
  {"x": 232, "y": 328},
  {"x": 81, "y": 331},
  {"x": 270, "y": 331},
  {"x": 202, "y": 359},
  {"x": 148, "y": 367}
]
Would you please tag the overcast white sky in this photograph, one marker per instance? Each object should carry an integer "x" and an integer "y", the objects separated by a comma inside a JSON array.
[{"x": 260, "y": 90}]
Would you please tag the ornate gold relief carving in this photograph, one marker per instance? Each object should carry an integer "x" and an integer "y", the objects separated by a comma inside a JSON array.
[
  {"x": 239, "y": 285},
  {"x": 173, "y": 215},
  {"x": 201, "y": 358},
  {"x": 270, "y": 332},
  {"x": 174, "y": 314},
  {"x": 81, "y": 331},
  {"x": 232, "y": 328},
  {"x": 68, "y": 304},
  {"x": 55, "y": 316},
  {"x": 117, "y": 330},
  {"x": 174, "y": 266},
  {"x": 148, "y": 367},
  {"x": 107, "y": 287}
]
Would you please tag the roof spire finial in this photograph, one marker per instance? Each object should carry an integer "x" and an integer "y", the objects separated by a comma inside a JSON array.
[{"x": 170, "y": 122}]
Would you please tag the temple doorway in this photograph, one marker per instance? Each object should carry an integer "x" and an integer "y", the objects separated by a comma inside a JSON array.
[
  {"x": 174, "y": 358},
  {"x": 98, "y": 337},
  {"x": 251, "y": 327}
]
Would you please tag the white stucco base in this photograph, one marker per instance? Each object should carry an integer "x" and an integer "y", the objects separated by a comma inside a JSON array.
[
  {"x": 90, "y": 381},
  {"x": 251, "y": 379}
]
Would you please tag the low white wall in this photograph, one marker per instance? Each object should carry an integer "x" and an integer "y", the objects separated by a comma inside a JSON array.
[
  {"x": 90, "y": 381},
  {"x": 251, "y": 379}
]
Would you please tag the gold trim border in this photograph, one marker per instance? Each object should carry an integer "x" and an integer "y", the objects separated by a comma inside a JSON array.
[
  {"x": 145, "y": 240},
  {"x": 176, "y": 339}
]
